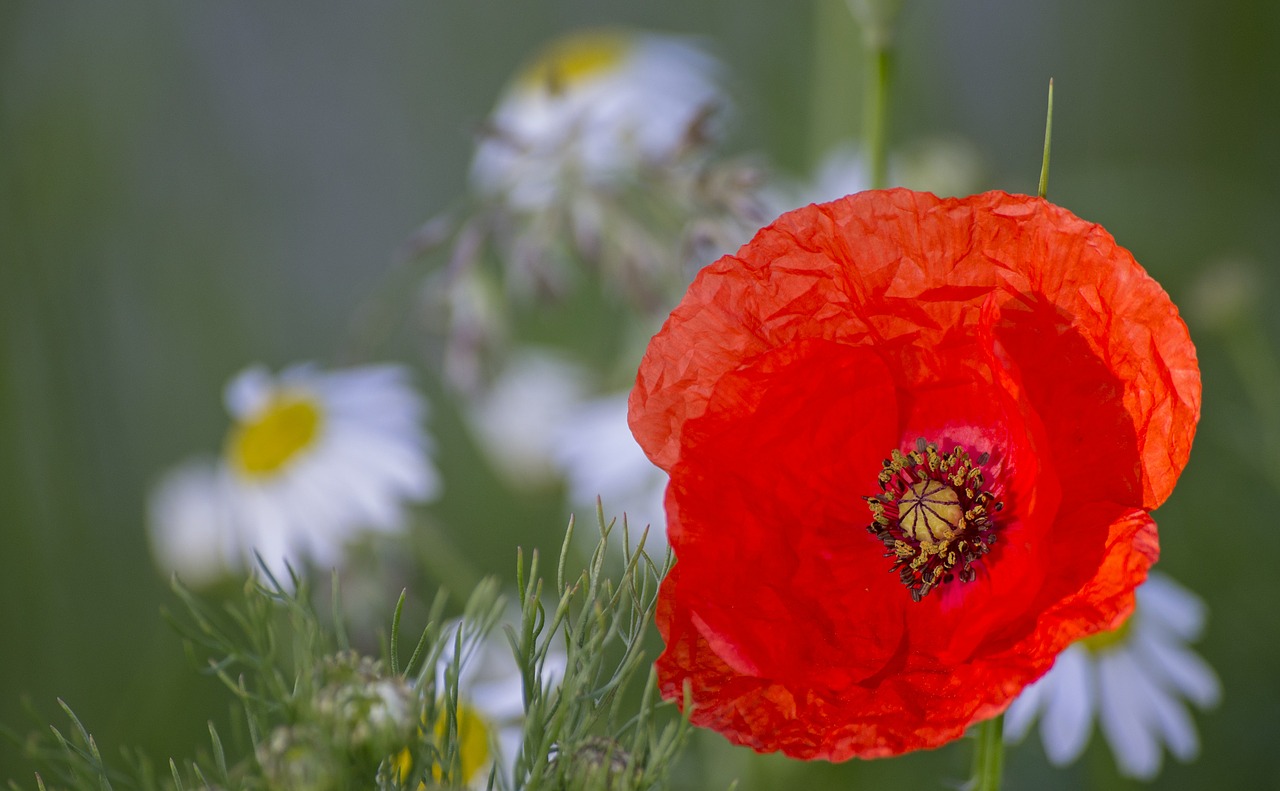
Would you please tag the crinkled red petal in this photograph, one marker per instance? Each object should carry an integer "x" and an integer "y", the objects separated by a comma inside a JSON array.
[{"x": 846, "y": 330}]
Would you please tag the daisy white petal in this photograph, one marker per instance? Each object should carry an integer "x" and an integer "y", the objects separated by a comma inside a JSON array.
[
  {"x": 190, "y": 524},
  {"x": 1068, "y": 713},
  {"x": 1170, "y": 720},
  {"x": 248, "y": 391},
  {"x": 1184, "y": 671},
  {"x": 1167, "y": 603},
  {"x": 1125, "y": 716},
  {"x": 1022, "y": 713}
]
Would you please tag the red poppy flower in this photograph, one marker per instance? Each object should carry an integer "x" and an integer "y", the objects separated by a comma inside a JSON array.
[{"x": 913, "y": 447}]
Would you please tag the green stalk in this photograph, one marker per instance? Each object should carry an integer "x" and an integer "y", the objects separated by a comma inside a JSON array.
[
  {"x": 988, "y": 756},
  {"x": 837, "y": 54},
  {"x": 877, "y": 19},
  {"x": 876, "y": 109},
  {"x": 1048, "y": 135}
]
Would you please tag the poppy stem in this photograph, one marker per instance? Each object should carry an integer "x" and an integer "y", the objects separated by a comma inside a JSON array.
[
  {"x": 1048, "y": 135},
  {"x": 876, "y": 111},
  {"x": 988, "y": 756},
  {"x": 877, "y": 19}
]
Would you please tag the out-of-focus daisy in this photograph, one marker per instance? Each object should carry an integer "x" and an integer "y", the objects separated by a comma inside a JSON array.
[
  {"x": 842, "y": 171},
  {"x": 313, "y": 459},
  {"x": 490, "y": 713},
  {"x": 1134, "y": 680},
  {"x": 592, "y": 108},
  {"x": 535, "y": 422},
  {"x": 516, "y": 419},
  {"x": 600, "y": 458}
]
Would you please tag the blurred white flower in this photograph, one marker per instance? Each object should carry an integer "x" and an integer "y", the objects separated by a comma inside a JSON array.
[
  {"x": 943, "y": 166},
  {"x": 1134, "y": 679},
  {"x": 1226, "y": 292},
  {"x": 517, "y": 418},
  {"x": 593, "y": 107},
  {"x": 536, "y": 423},
  {"x": 490, "y": 715},
  {"x": 600, "y": 458},
  {"x": 946, "y": 166},
  {"x": 842, "y": 171},
  {"x": 313, "y": 460}
]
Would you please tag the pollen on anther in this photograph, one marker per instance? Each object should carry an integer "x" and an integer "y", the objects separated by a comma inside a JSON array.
[{"x": 933, "y": 516}]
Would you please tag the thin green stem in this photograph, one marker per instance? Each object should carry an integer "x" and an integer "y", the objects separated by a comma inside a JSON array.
[
  {"x": 1048, "y": 136},
  {"x": 988, "y": 756},
  {"x": 837, "y": 53},
  {"x": 876, "y": 109}
]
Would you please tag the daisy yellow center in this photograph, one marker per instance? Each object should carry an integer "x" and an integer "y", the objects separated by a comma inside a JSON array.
[
  {"x": 473, "y": 743},
  {"x": 576, "y": 59},
  {"x": 288, "y": 426},
  {"x": 1103, "y": 641},
  {"x": 933, "y": 516},
  {"x": 472, "y": 748}
]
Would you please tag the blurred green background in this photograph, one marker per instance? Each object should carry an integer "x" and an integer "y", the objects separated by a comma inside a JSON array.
[{"x": 187, "y": 187}]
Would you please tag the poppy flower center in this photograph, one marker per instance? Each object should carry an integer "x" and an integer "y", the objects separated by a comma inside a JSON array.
[{"x": 933, "y": 516}]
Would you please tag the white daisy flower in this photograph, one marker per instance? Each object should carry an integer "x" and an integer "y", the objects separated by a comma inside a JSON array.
[
  {"x": 592, "y": 107},
  {"x": 599, "y": 457},
  {"x": 535, "y": 422},
  {"x": 516, "y": 419},
  {"x": 1134, "y": 679},
  {"x": 490, "y": 713},
  {"x": 313, "y": 460}
]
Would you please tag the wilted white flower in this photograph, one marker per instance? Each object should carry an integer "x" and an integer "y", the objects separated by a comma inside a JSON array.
[
  {"x": 313, "y": 460},
  {"x": 597, "y": 165},
  {"x": 1134, "y": 679},
  {"x": 600, "y": 458},
  {"x": 359, "y": 704},
  {"x": 594, "y": 107}
]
